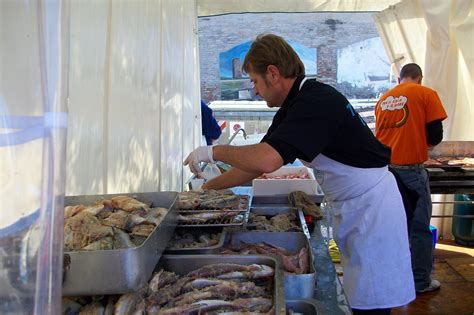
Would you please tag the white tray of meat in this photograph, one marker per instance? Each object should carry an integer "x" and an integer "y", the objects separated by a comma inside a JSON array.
[{"x": 285, "y": 180}]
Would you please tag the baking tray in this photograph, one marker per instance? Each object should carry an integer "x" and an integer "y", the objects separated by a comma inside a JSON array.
[
  {"x": 302, "y": 307},
  {"x": 241, "y": 207},
  {"x": 200, "y": 250},
  {"x": 183, "y": 264},
  {"x": 242, "y": 211},
  {"x": 230, "y": 222},
  {"x": 119, "y": 271},
  {"x": 296, "y": 286}
]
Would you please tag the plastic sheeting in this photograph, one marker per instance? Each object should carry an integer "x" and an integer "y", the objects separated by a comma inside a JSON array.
[
  {"x": 34, "y": 46},
  {"x": 438, "y": 36},
  {"x": 216, "y": 7},
  {"x": 134, "y": 95}
]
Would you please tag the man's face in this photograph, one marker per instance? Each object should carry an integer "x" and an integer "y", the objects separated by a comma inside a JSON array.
[{"x": 263, "y": 86}]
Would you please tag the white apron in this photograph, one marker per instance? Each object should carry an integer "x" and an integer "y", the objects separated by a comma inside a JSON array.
[{"x": 370, "y": 229}]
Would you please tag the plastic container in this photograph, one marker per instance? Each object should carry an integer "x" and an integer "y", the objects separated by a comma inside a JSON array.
[
  {"x": 34, "y": 45},
  {"x": 266, "y": 187},
  {"x": 463, "y": 228},
  {"x": 434, "y": 232}
]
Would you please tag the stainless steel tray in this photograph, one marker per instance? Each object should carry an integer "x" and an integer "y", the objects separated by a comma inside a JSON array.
[
  {"x": 296, "y": 286},
  {"x": 242, "y": 211},
  {"x": 182, "y": 264},
  {"x": 241, "y": 207},
  {"x": 200, "y": 250},
  {"x": 121, "y": 270},
  {"x": 309, "y": 307}
]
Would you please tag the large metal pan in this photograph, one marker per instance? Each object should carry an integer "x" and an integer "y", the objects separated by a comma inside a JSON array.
[
  {"x": 121, "y": 270},
  {"x": 183, "y": 264}
]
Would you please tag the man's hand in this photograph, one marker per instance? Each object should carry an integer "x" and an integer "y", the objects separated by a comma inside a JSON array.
[{"x": 201, "y": 154}]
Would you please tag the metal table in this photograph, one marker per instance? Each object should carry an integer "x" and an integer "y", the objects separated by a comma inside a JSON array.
[
  {"x": 328, "y": 291},
  {"x": 451, "y": 180}
]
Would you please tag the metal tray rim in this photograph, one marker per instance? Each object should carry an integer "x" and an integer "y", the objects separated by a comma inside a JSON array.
[
  {"x": 143, "y": 257},
  {"x": 313, "y": 302},
  {"x": 279, "y": 297}
]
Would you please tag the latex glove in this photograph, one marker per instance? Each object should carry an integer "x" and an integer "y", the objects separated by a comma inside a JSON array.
[{"x": 201, "y": 154}]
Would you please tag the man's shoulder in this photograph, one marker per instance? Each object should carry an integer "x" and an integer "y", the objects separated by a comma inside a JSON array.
[
  {"x": 407, "y": 90},
  {"x": 322, "y": 91}
]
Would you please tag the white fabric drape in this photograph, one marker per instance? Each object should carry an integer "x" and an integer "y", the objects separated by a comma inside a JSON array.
[
  {"x": 216, "y": 7},
  {"x": 134, "y": 95},
  {"x": 438, "y": 35}
]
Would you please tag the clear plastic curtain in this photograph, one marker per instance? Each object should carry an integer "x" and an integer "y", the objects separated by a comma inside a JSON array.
[{"x": 34, "y": 51}]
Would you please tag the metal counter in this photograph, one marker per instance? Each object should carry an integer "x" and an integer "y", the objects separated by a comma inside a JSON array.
[{"x": 328, "y": 291}]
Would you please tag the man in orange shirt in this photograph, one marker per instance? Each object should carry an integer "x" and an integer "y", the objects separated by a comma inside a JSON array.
[{"x": 409, "y": 120}]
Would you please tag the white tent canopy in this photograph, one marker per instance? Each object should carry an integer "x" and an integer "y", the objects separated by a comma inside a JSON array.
[
  {"x": 216, "y": 7},
  {"x": 438, "y": 35}
]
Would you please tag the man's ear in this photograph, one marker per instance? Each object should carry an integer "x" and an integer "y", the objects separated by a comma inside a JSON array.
[{"x": 273, "y": 72}]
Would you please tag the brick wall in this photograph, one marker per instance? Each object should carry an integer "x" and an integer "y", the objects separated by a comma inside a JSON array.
[{"x": 327, "y": 32}]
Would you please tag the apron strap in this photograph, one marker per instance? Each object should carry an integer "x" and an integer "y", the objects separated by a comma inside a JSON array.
[{"x": 302, "y": 83}]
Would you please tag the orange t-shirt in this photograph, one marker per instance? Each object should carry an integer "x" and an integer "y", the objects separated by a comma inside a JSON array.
[{"x": 401, "y": 116}]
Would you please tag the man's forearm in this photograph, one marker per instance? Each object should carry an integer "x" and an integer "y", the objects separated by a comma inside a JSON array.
[
  {"x": 257, "y": 158},
  {"x": 233, "y": 177}
]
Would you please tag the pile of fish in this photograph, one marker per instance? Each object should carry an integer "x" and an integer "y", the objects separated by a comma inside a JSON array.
[
  {"x": 450, "y": 161},
  {"x": 120, "y": 222},
  {"x": 285, "y": 222},
  {"x": 208, "y": 199},
  {"x": 200, "y": 207},
  {"x": 295, "y": 263},
  {"x": 300, "y": 199},
  {"x": 211, "y": 289},
  {"x": 193, "y": 239},
  {"x": 299, "y": 175}
]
